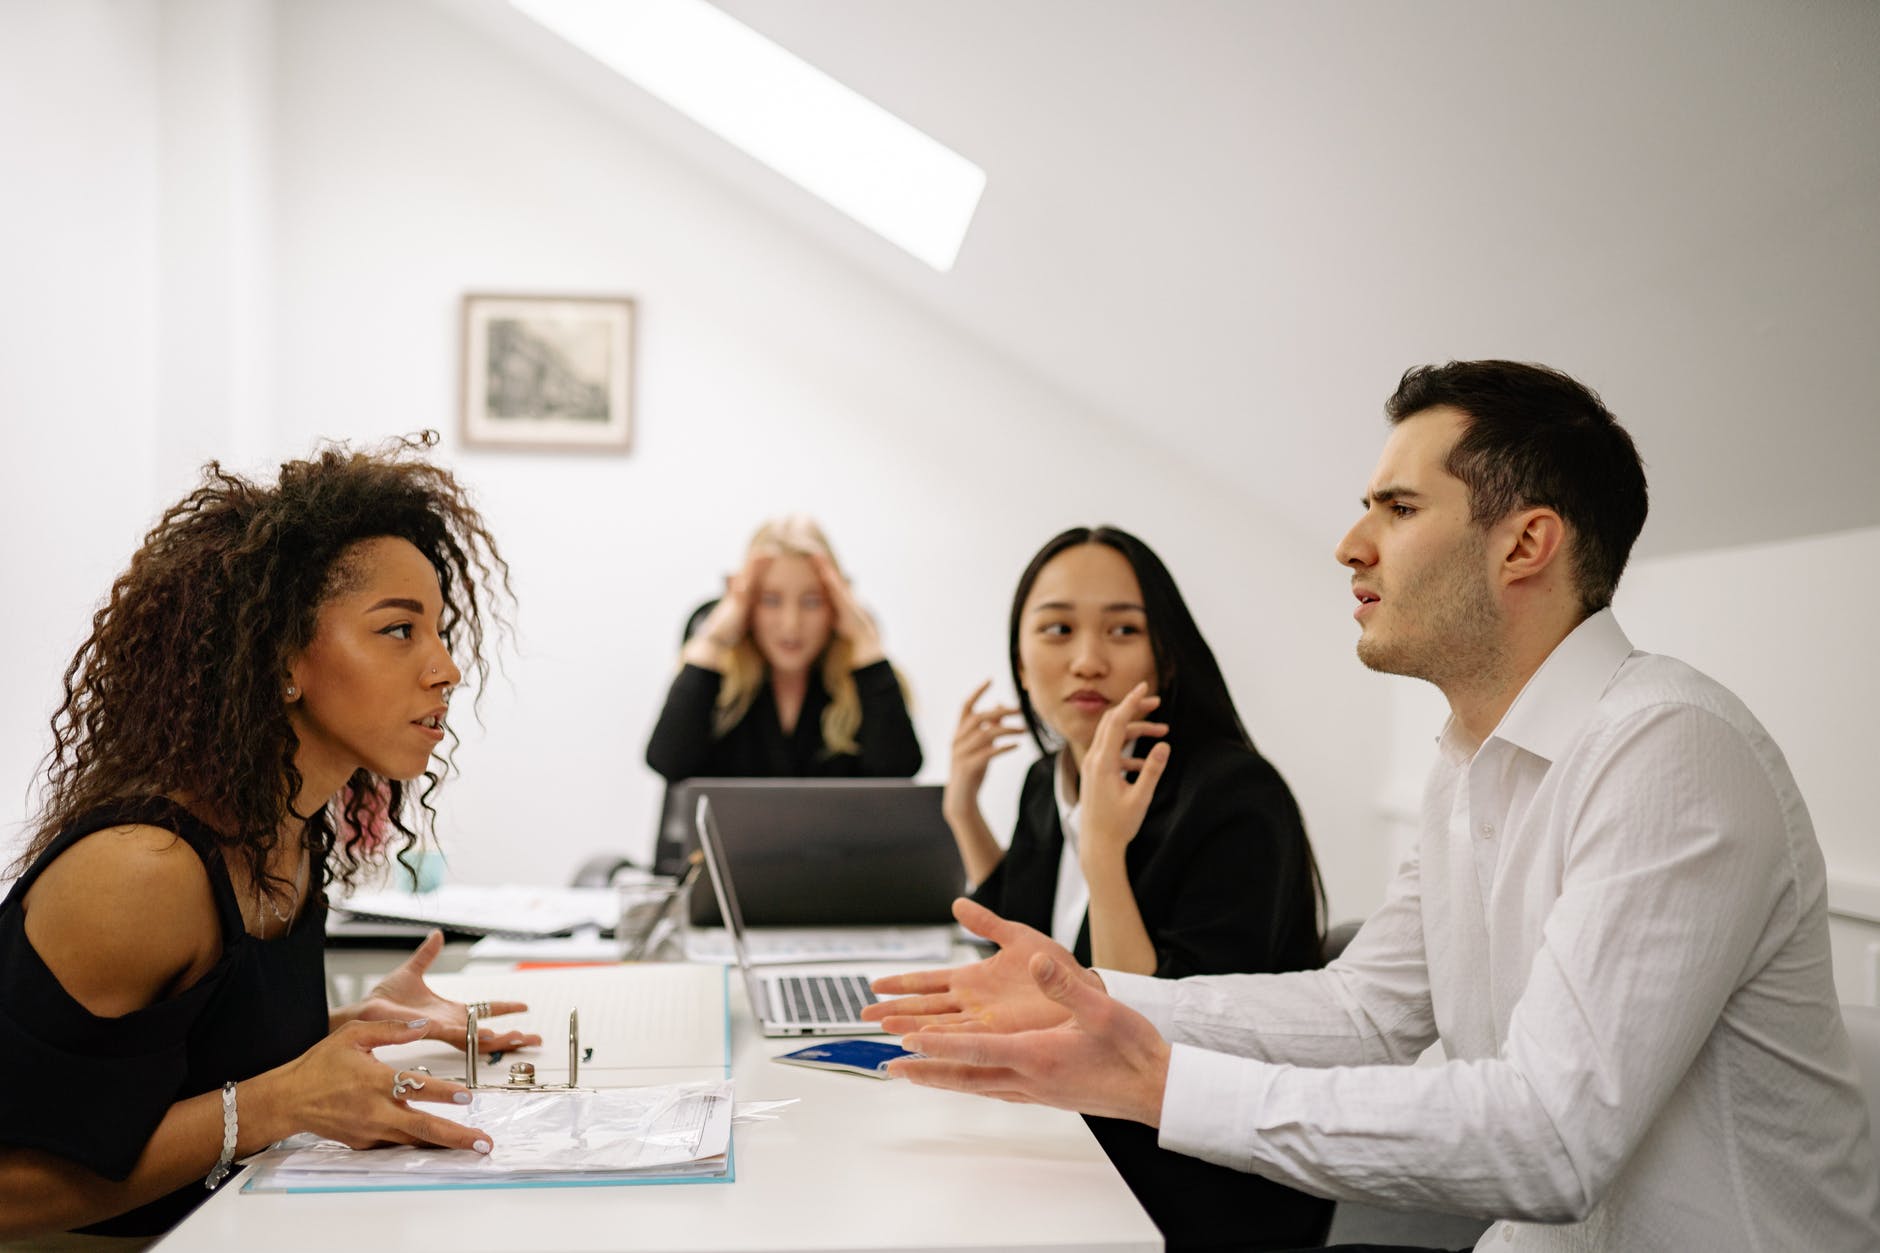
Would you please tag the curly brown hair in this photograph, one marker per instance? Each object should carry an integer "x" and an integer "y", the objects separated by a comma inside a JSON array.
[{"x": 177, "y": 690}]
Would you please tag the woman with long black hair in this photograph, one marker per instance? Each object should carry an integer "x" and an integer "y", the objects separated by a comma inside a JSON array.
[{"x": 1152, "y": 837}]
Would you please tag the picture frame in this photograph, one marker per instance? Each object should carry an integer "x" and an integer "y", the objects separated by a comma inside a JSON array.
[{"x": 548, "y": 372}]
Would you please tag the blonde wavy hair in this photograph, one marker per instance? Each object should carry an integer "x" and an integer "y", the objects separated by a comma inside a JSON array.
[{"x": 793, "y": 535}]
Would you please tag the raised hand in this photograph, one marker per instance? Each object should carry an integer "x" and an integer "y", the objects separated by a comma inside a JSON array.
[
  {"x": 404, "y": 995},
  {"x": 997, "y": 994},
  {"x": 337, "y": 1089},
  {"x": 730, "y": 619},
  {"x": 1113, "y": 807},
  {"x": 1101, "y": 1058},
  {"x": 852, "y": 621},
  {"x": 982, "y": 734}
]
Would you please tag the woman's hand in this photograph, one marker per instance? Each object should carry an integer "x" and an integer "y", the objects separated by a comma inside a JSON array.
[
  {"x": 403, "y": 995},
  {"x": 852, "y": 621},
  {"x": 338, "y": 1090},
  {"x": 981, "y": 735},
  {"x": 729, "y": 621},
  {"x": 1113, "y": 807}
]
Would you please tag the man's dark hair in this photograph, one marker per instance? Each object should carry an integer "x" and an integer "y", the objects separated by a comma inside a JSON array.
[{"x": 1536, "y": 437}]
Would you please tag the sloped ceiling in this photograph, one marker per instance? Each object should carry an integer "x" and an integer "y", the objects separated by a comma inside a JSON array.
[{"x": 1230, "y": 225}]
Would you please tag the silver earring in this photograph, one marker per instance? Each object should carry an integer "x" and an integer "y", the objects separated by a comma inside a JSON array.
[{"x": 292, "y": 691}]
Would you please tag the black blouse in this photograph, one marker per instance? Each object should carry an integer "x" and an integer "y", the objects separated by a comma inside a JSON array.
[
  {"x": 683, "y": 746},
  {"x": 93, "y": 1089},
  {"x": 1218, "y": 872}
]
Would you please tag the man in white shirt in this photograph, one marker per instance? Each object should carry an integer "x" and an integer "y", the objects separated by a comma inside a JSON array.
[{"x": 1615, "y": 921}]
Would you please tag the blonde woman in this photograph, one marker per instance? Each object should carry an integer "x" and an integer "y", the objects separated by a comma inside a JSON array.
[{"x": 784, "y": 676}]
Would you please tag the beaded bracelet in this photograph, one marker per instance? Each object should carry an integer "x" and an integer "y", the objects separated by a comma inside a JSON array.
[{"x": 220, "y": 1172}]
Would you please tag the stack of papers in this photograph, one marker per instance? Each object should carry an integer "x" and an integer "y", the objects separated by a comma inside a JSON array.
[
  {"x": 622, "y": 1135},
  {"x": 508, "y": 909}
]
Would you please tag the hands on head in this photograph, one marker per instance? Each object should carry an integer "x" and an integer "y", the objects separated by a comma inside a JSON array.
[
  {"x": 852, "y": 622},
  {"x": 1026, "y": 1024},
  {"x": 730, "y": 619}
]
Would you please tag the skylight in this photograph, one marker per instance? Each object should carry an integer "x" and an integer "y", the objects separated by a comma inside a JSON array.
[{"x": 778, "y": 108}]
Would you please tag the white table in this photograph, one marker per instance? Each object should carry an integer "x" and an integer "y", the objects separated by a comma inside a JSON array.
[{"x": 857, "y": 1164}]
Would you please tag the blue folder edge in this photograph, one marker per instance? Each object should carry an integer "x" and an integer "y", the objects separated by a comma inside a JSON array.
[{"x": 638, "y": 1181}]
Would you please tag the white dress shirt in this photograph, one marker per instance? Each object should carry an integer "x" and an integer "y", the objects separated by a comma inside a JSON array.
[{"x": 1616, "y": 924}]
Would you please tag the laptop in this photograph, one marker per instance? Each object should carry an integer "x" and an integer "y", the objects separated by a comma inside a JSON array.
[
  {"x": 823, "y": 1000},
  {"x": 830, "y": 852}
]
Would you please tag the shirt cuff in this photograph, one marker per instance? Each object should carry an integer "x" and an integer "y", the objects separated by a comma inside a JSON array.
[
  {"x": 1153, "y": 998},
  {"x": 1212, "y": 1105}
]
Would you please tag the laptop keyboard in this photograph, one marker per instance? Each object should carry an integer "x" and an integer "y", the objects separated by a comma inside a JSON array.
[{"x": 821, "y": 998}]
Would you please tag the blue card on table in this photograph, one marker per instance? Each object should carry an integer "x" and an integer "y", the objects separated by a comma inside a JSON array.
[{"x": 857, "y": 1057}]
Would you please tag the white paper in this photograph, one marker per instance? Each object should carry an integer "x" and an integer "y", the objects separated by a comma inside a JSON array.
[
  {"x": 506, "y": 909},
  {"x": 671, "y": 1128}
]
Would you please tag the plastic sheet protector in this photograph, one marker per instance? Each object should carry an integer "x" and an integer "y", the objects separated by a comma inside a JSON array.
[{"x": 669, "y": 1133}]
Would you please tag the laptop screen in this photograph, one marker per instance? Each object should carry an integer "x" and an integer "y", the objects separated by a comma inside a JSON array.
[
  {"x": 713, "y": 848},
  {"x": 828, "y": 852}
]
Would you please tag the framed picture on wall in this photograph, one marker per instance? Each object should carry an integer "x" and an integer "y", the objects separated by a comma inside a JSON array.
[{"x": 552, "y": 372}]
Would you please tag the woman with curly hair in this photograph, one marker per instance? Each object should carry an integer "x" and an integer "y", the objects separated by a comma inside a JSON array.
[{"x": 274, "y": 667}]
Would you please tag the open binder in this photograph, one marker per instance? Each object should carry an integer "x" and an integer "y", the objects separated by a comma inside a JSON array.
[{"x": 654, "y": 1107}]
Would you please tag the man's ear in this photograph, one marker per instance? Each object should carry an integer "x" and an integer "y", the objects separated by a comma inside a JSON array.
[{"x": 1531, "y": 542}]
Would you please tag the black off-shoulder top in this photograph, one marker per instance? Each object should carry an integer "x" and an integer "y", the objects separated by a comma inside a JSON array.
[{"x": 93, "y": 1089}]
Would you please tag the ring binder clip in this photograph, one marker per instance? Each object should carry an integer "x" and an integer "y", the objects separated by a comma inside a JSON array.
[{"x": 522, "y": 1074}]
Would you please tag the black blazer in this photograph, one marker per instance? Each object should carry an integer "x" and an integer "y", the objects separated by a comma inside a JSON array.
[
  {"x": 1214, "y": 867},
  {"x": 1218, "y": 870},
  {"x": 683, "y": 746}
]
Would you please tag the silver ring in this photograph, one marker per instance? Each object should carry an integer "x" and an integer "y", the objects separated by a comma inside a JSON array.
[
  {"x": 404, "y": 1081},
  {"x": 480, "y": 1008}
]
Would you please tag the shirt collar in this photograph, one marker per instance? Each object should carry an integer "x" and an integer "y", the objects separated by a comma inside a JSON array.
[
  {"x": 1061, "y": 780},
  {"x": 1547, "y": 715}
]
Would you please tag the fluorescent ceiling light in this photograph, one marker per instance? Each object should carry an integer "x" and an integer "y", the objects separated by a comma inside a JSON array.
[{"x": 783, "y": 111}]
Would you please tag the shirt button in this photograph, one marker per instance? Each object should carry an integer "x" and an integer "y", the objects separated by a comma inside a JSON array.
[
  {"x": 1488, "y": 828},
  {"x": 1507, "y": 1233}
]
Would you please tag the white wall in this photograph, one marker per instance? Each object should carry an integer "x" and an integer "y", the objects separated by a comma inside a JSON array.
[
  {"x": 771, "y": 378},
  {"x": 366, "y": 164},
  {"x": 78, "y": 334}
]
